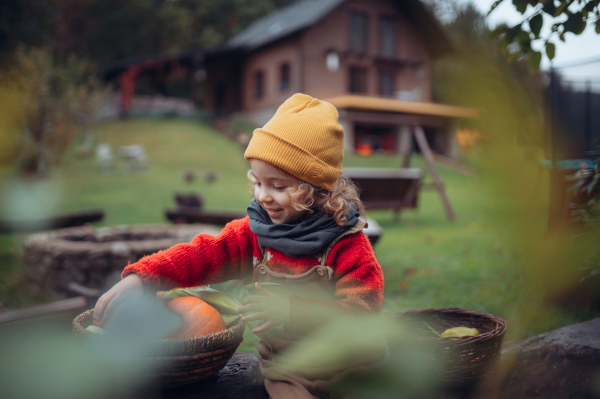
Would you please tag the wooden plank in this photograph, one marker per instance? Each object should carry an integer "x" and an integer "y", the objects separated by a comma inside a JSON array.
[
  {"x": 437, "y": 181},
  {"x": 382, "y": 104},
  {"x": 69, "y": 305},
  {"x": 381, "y": 118},
  {"x": 383, "y": 173}
]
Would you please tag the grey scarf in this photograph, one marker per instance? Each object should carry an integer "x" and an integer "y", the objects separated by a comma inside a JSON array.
[{"x": 305, "y": 236}]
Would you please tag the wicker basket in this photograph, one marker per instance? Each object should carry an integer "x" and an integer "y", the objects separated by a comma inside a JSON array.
[
  {"x": 461, "y": 359},
  {"x": 182, "y": 361}
]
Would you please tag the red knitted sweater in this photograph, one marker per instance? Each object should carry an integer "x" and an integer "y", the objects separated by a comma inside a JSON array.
[{"x": 235, "y": 253}]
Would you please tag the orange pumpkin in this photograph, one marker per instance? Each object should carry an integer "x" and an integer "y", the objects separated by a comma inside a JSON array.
[{"x": 197, "y": 317}]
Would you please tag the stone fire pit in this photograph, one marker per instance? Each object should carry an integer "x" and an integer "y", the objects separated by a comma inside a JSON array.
[{"x": 90, "y": 256}]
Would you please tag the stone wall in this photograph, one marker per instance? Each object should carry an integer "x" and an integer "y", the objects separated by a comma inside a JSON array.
[{"x": 93, "y": 257}]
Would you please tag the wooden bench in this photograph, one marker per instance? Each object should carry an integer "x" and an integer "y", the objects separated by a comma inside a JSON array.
[{"x": 387, "y": 188}]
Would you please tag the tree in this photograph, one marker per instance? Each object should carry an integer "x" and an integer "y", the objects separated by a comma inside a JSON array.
[
  {"x": 24, "y": 22},
  {"x": 567, "y": 16},
  {"x": 477, "y": 75},
  {"x": 106, "y": 31},
  {"x": 467, "y": 28},
  {"x": 50, "y": 99}
]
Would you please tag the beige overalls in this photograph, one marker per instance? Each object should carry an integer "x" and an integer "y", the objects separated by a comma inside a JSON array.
[{"x": 316, "y": 283}]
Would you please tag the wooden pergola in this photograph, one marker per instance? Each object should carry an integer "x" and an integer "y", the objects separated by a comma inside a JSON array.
[{"x": 412, "y": 114}]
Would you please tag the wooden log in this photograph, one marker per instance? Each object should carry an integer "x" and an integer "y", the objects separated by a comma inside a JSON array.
[{"x": 72, "y": 219}]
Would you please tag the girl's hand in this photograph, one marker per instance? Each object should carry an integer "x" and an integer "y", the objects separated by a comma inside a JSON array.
[
  {"x": 270, "y": 307},
  {"x": 130, "y": 285}
]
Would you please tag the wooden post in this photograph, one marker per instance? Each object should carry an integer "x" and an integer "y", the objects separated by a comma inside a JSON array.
[
  {"x": 127, "y": 86},
  {"x": 405, "y": 145},
  {"x": 437, "y": 181}
]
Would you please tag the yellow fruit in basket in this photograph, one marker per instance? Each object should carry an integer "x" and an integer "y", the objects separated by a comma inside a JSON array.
[{"x": 460, "y": 332}]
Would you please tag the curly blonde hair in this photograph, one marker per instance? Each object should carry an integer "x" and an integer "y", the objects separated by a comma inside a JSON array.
[{"x": 307, "y": 197}]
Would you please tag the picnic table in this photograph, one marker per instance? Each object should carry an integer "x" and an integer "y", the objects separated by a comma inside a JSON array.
[{"x": 387, "y": 188}]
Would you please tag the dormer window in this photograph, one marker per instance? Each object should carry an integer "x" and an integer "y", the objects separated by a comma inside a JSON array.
[
  {"x": 358, "y": 31},
  {"x": 387, "y": 37},
  {"x": 259, "y": 84},
  {"x": 284, "y": 73}
]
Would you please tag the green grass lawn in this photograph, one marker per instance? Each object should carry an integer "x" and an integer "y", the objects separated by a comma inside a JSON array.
[{"x": 475, "y": 262}]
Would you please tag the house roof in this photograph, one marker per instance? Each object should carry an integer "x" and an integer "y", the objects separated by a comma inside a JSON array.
[
  {"x": 381, "y": 104},
  {"x": 285, "y": 21},
  {"x": 304, "y": 13}
]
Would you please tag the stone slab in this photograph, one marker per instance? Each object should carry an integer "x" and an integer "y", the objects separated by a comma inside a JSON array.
[{"x": 562, "y": 363}]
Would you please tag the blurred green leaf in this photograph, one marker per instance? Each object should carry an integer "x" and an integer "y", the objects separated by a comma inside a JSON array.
[
  {"x": 503, "y": 46},
  {"x": 230, "y": 319},
  {"x": 590, "y": 6},
  {"x": 514, "y": 32},
  {"x": 550, "y": 50},
  {"x": 549, "y": 7},
  {"x": 535, "y": 57},
  {"x": 521, "y": 5},
  {"x": 499, "y": 30},
  {"x": 524, "y": 42},
  {"x": 513, "y": 56},
  {"x": 535, "y": 24}
]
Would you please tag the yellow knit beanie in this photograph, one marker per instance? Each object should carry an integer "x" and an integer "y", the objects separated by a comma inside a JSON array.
[{"x": 303, "y": 138}]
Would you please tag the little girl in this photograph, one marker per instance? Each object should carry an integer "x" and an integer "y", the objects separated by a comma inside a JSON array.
[{"x": 303, "y": 231}]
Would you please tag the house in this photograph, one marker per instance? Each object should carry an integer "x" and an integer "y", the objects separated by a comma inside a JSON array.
[{"x": 371, "y": 59}]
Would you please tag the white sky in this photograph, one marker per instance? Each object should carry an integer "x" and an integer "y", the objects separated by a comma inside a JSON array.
[{"x": 576, "y": 48}]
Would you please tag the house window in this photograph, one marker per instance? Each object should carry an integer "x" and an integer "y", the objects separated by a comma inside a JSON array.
[
  {"x": 358, "y": 80},
  {"x": 386, "y": 83},
  {"x": 387, "y": 35},
  {"x": 259, "y": 84},
  {"x": 358, "y": 32},
  {"x": 284, "y": 82}
]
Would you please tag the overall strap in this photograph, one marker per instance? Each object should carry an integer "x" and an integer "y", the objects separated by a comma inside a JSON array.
[
  {"x": 263, "y": 252},
  {"x": 361, "y": 224}
]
